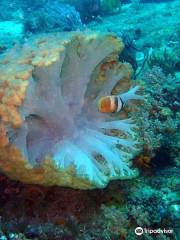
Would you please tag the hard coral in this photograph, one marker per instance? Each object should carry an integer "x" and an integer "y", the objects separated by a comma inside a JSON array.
[{"x": 48, "y": 113}]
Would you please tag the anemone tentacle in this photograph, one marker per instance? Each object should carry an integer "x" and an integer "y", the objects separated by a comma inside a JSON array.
[{"x": 121, "y": 125}]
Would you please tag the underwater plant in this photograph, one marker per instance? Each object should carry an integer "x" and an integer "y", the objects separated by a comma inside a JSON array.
[
  {"x": 165, "y": 60},
  {"x": 51, "y": 130}
]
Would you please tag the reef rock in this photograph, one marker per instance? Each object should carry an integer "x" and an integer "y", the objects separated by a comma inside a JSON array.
[{"x": 51, "y": 132}]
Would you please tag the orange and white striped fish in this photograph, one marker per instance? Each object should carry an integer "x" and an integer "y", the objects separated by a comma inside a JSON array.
[
  {"x": 110, "y": 104},
  {"x": 115, "y": 103}
]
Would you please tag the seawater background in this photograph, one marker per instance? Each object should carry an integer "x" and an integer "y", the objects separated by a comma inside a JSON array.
[{"x": 151, "y": 32}]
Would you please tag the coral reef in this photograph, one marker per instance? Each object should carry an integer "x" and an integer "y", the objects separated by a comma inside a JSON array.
[
  {"x": 53, "y": 16},
  {"x": 24, "y": 18},
  {"x": 158, "y": 122},
  {"x": 165, "y": 60},
  {"x": 42, "y": 16},
  {"x": 51, "y": 130},
  {"x": 143, "y": 202},
  {"x": 37, "y": 212}
]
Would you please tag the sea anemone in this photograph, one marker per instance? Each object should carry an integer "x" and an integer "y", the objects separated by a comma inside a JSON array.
[{"x": 52, "y": 132}]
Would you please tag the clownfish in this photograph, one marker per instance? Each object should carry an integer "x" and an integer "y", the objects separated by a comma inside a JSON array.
[
  {"x": 115, "y": 103},
  {"x": 110, "y": 104}
]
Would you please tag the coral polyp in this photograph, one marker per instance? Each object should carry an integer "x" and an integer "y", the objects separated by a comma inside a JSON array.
[{"x": 51, "y": 130}]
